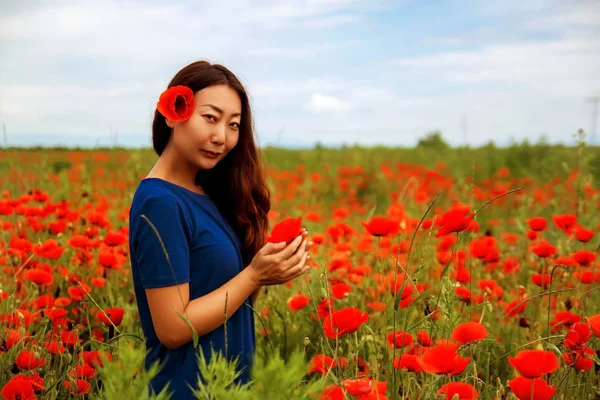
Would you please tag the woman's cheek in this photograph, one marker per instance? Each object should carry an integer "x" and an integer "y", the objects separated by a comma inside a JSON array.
[{"x": 232, "y": 141}]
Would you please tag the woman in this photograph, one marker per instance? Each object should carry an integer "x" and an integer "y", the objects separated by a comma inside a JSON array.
[{"x": 207, "y": 200}]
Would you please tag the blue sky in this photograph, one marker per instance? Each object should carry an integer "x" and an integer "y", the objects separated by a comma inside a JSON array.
[{"x": 335, "y": 71}]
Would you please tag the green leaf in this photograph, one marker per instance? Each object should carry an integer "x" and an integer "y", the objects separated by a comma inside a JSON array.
[{"x": 195, "y": 337}]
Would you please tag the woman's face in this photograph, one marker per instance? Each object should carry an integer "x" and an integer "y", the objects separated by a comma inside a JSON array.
[{"x": 212, "y": 130}]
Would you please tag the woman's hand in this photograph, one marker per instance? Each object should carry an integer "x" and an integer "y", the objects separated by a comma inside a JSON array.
[{"x": 276, "y": 263}]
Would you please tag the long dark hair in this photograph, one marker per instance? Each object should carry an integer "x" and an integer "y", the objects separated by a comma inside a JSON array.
[{"x": 237, "y": 183}]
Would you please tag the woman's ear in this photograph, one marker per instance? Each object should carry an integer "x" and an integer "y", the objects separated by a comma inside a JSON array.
[{"x": 170, "y": 123}]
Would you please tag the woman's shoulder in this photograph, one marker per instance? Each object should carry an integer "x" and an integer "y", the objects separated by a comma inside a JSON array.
[{"x": 152, "y": 194}]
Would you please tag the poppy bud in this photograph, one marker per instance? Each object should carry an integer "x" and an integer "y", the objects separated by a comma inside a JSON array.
[
  {"x": 323, "y": 293},
  {"x": 500, "y": 387},
  {"x": 524, "y": 322},
  {"x": 568, "y": 304},
  {"x": 539, "y": 347}
]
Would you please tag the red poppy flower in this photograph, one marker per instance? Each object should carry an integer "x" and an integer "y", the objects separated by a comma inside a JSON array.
[
  {"x": 70, "y": 338},
  {"x": 286, "y": 231},
  {"x": 577, "y": 336},
  {"x": 115, "y": 314},
  {"x": 454, "y": 221},
  {"x": 343, "y": 321},
  {"x": 462, "y": 391},
  {"x": 37, "y": 382},
  {"x": 527, "y": 389},
  {"x": 541, "y": 280},
  {"x": 333, "y": 392},
  {"x": 537, "y": 223},
  {"x": 54, "y": 347},
  {"x": 298, "y": 302},
  {"x": 325, "y": 307},
  {"x": 373, "y": 396},
  {"x": 442, "y": 359},
  {"x": 584, "y": 235},
  {"x": 534, "y": 363},
  {"x": 108, "y": 259},
  {"x": 594, "y": 322},
  {"x": 18, "y": 389},
  {"x": 95, "y": 358},
  {"x": 50, "y": 249},
  {"x": 396, "y": 284},
  {"x": 584, "y": 257},
  {"x": 359, "y": 386},
  {"x": 564, "y": 222},
  {"x": 580, "y": 360},
  {"x": 399, "y": 339},
  {"x": 409, "y": 362},
  {"x": 423, "y": 338},
  {"x": 176, "y": 103},
  {"x": 381, "y": 226},
  {"x": 469, "y": 332},
  {"x": 543, "y": 249},
  {"x": 340, "y": 290},
  {"x": 82, "y": 371},
  {"x": 321, "y": 364},
  {"x": 313, "y": 216},
  {"x": 39, "y": 276},
  {"x": 27, "y": 360},
  {"x": 114, "y": 239},
  {"x": 83, "y": 387}
]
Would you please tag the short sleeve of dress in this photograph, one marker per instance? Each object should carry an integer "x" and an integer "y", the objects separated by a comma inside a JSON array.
[{"x": 167, "y": 217}]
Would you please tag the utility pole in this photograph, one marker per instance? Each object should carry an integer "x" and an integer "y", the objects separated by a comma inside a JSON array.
[
  {"x": 4, "y": 135},
  {"x": 594, "y": 100}
]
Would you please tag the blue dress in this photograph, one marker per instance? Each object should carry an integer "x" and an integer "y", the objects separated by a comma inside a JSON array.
[{"x": 204, "y": 251}]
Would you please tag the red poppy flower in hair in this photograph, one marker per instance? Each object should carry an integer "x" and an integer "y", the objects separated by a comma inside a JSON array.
[{"x": 176, "y": 103}]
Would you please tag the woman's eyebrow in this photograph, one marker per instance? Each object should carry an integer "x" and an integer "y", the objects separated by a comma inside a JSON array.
[{"x": 217, "y": 109}]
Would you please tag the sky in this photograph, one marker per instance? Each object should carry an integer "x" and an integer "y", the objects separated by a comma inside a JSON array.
[{"x": 375, "y": 72}]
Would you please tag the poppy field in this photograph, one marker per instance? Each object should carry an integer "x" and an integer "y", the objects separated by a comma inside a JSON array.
[{"x": 431, "y": 278}]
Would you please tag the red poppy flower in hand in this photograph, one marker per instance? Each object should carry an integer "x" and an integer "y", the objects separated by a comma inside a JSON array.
[
  {"x": 286, "y": 230},
  {"x": 176, "y": 103}
]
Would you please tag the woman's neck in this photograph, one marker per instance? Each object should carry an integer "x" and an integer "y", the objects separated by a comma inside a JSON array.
[{"x": 172, "y": 169}]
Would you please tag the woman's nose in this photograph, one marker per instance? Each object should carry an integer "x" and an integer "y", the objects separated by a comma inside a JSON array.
[{"x": 218, "y": 136}]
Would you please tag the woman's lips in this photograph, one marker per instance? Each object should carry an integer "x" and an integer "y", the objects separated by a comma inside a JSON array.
[{"x": 210, "y": 154}]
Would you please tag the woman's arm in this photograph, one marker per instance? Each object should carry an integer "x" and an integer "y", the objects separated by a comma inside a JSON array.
[
  {"x": 168, "y": 304},
  {"x": 205, "y": 313},
  {"x": 255, "y": 294}
]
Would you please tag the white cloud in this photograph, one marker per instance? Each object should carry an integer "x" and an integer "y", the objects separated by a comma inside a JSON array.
[
  {"x": 321, "y": 103},
  {"x": 562, "y": 67},
  {"x": 297, "y": 52},
  {"x": 81, "y": 66}
]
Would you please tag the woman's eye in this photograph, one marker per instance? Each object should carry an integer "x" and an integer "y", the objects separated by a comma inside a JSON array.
[
  {"x": 210, "y": 116},
  {"x": 235, "y": 125}
]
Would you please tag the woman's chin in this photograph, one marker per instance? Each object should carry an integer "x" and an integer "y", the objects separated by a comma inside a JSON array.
[{"x": 206, "y": 163}]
